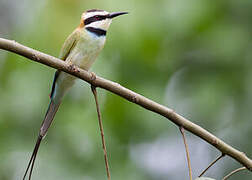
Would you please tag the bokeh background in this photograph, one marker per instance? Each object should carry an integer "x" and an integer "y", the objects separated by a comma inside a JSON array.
[{"x": 191, "y": 55}]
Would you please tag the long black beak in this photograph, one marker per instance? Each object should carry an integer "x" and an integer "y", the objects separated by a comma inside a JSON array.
[{"x": 114, "y": 14}]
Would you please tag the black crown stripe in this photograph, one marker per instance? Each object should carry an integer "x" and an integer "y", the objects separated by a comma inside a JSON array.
[{"x": 94, "y": 10}]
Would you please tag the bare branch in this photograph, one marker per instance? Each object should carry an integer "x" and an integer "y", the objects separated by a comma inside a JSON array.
[
  {"x": 129, "y": 95},
  {"x": 187, "y": 152},
  {"x": 211, "y": 164},
  {"x": 101, "y": 130},
  {"x": 233, "y": 172}
]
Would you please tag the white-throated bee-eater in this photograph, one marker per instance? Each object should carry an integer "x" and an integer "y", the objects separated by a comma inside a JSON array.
[{"x": 81, "y": 48}]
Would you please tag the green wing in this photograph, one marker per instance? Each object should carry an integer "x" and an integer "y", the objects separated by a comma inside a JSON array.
[{"x": 67, "y": 47}]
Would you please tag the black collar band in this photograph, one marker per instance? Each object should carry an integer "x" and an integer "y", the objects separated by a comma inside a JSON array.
[{"x": 97, "y": 31}]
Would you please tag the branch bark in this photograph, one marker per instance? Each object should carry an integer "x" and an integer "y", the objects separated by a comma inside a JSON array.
[
  {"x": 93, "y": 89},
  {"x": 233, "y": 172},
  {"x": 131, "y": 96},
  {"x": 187, "y": 152}
]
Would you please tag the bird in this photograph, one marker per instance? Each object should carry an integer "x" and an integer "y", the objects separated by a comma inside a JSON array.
[{"x": 81, "y": 48}]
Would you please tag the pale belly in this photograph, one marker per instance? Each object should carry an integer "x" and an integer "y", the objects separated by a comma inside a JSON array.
[{"x": 83, "y": 55}]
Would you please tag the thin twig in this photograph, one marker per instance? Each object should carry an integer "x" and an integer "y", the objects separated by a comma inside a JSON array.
[
  {"x": 187, "y": 151},
  {"x": 212, "y": 163},
  {"x": 131, "y": 96},
  {"x": 101, "y": 130},
  {"x": 233, "y": 172}
]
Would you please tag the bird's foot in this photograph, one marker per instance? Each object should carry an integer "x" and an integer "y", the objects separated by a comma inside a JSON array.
[{"x": 93, "y": 76}]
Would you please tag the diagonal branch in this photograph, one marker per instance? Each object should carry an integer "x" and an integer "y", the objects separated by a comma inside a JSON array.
[
  {"x": 102, "y": 132},
  {"x": 233, "y": 172},
  {"x": 129, "y": 95},
  {"x": 211, "y": 164},
  {"x": 187, "y": 152}
]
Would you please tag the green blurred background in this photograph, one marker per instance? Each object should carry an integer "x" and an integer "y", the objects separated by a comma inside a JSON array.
[{"x": 191, "y": 55}]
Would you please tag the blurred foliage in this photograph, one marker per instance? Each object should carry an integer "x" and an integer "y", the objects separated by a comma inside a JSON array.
[{"x": 191, "y": 55}]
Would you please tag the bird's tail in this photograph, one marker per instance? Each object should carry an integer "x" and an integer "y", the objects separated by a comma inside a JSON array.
[{"x": 51, "y": 111}]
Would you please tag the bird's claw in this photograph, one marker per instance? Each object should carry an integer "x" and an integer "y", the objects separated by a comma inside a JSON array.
[{"x": 93, "y": 76}]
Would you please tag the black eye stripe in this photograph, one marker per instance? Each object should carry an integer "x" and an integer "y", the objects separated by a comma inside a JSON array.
[{"x": 94, "y": 19}]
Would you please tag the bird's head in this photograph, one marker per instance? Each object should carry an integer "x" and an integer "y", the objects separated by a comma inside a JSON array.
[{"x": 98, "y": 19}]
